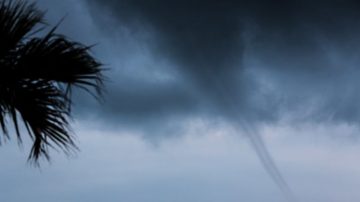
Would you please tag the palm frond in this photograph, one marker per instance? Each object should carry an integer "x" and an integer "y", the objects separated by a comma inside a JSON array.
[
  {"x": 55, "y": 58},
  {"x": 17, "y": 20},
  {"x": 43, "y": 109},
  {"x": 36, "y": 76}
]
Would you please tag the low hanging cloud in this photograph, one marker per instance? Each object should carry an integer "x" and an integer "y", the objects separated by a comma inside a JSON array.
[{"x": 257, "y": 60}]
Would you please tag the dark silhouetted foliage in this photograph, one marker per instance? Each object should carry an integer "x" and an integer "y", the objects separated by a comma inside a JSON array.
[{"x": 36, "y": 77}]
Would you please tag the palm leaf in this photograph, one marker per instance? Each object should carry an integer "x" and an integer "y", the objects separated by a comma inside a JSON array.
[
  {"x": 43, "y": 110},
  {"x": 17, "y": 20},
  {"x": 55, "y": 58},
  {"x": 36, "y": 74}
]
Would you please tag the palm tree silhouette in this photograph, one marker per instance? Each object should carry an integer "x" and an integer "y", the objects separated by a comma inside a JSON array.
[{"x": 37, "y": 74}]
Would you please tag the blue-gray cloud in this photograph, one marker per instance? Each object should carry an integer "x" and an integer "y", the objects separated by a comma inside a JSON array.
[{"x": 230, "y": 52}]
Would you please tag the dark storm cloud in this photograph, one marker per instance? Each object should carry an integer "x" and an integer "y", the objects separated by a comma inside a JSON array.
[
  {"x": 228, "y": 52},
  {"x": 203, "y": 41}
]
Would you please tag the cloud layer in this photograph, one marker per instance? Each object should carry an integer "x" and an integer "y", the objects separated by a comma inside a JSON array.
[{"x": 261, "y": 61}]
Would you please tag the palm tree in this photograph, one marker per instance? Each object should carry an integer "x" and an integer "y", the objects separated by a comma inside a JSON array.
[{"x": 37, "y": 74}]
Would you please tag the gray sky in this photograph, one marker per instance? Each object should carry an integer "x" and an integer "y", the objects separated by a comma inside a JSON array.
[{"x": 184, "y": 79}]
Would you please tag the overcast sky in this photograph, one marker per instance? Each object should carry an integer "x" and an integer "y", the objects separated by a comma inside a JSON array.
[{"x": 207, "y": 101}]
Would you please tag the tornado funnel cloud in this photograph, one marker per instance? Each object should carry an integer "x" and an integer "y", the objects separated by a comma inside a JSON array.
[{"x": 268, "y": 162}]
